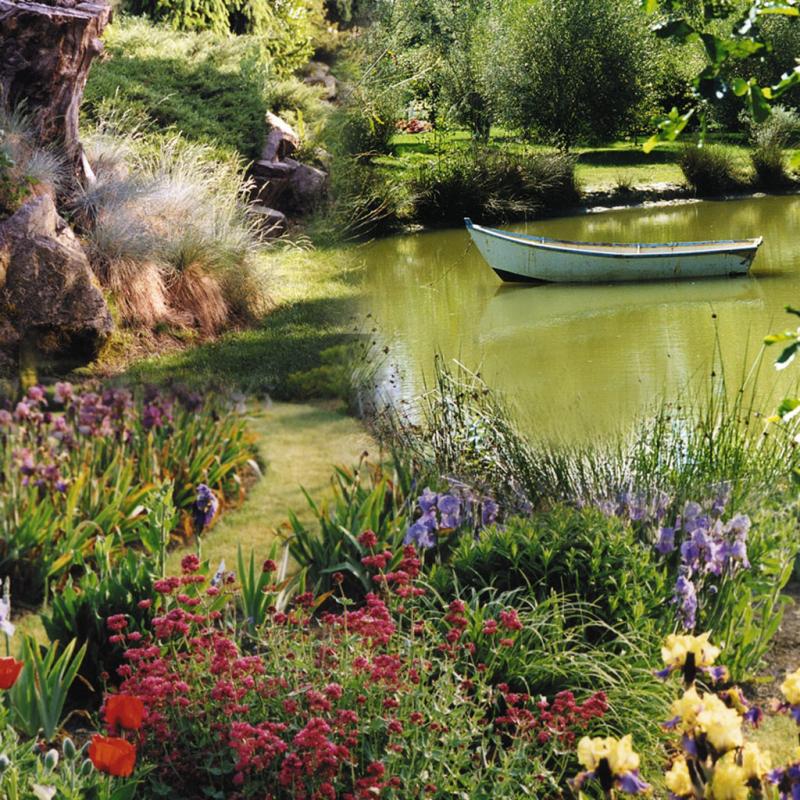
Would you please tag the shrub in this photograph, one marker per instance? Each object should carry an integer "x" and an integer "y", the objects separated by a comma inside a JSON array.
[
  {"x": 492, "y": 186},
  {"x": 710, "y": 169},
  {"x": 578, "y": 553},
  {"x": 570, "y": 71},
  {"x": 770, "y": 140}
]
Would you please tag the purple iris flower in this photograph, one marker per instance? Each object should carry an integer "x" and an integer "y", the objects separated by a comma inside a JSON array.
[
  {"x": 632, "y": 783},
  {"x": 666, "y": 540},
  {"x": 204, "y": 508},
  {"x": 722, "y": 499},
  {"x": 686, "y": 599},
  {"x": 427, "y": 500},
  {"x": 489, "y": 511},
  {"x": 420, "y": 535}
]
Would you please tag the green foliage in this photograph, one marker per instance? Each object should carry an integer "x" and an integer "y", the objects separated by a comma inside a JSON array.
[
  {"x": 215, "y": 90},
  {"x": 710, "y": 169},
  {"x": 367, "y": 498},
  {"x": 78, "y": 611},
  {"x": 578, "y": 553},
  {"x": 437, "y": 51},
  {"x": 364, "y": 201},
  {"x": 491, "y": 185},
  {"x": 260, "y": 593},
  {"x": 38, "y": 697},
  {"x": 568, "y": 71},
  {"x": 288, "y": 26},
  {"x": 731, "y": 52}
]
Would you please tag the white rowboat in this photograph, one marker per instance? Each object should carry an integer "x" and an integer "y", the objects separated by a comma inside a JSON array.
[{"x": 517, "y": 257}]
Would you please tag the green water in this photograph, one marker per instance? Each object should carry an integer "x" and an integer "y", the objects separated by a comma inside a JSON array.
[{"x": 582, "y": 361}]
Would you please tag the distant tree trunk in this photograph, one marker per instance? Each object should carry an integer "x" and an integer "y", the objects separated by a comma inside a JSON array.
[{"x": 46, "y": 50}]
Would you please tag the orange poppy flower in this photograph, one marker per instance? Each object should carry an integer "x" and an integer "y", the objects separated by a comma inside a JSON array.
[
  {"x": 112, "y": 755},
  {"x": 10, "y": 669},
  {"x": 124, "y": 710}
]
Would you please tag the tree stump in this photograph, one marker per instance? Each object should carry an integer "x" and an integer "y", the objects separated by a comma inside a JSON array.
[{"x": 46, "y": 50}]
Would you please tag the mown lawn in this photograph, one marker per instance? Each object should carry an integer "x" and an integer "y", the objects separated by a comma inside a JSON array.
[{"x": 313, "y": 296}]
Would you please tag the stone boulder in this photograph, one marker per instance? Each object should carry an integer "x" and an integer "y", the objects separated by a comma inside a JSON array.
[
  {"x": 48, "y": 292},
  {"x": 307, "y": 186},
  {"x": 282, "y": 139},
  {"x": 319, "y": 74}
]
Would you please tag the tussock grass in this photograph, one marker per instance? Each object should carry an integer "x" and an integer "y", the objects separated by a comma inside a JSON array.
[
  {"x": 167, "y": 229},
  {"x": 31, "y": 168},
  {"x": 770, "y": 140},
  {"x": 711, "y": 169}
]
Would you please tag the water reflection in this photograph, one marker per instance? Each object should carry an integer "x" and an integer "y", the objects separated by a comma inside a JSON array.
[{"x": 583, "y": 360}]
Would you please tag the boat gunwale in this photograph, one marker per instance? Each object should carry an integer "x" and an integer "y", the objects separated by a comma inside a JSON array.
[{"x": 629, "y": 249}]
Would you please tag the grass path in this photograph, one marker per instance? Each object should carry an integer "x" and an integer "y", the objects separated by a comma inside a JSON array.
[{"x": 300, "y": 443}]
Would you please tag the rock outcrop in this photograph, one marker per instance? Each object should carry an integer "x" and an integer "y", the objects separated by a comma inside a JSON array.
[
  {"x": 281, "y": 181},
  {"x": 46, "y": 49},
  {"x": 48, "y": 293}
]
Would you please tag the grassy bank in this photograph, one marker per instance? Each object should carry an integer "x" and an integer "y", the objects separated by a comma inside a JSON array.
[
  {"x": 313, "y": 296},
  {"x": 621, "y": 163}
]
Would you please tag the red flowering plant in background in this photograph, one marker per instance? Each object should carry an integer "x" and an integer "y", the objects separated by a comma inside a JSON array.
[{"x": 374, "y": 701}]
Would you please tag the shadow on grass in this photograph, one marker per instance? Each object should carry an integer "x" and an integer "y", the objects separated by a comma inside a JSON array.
[
  {"x": 259, "y": 360},
  {"x": 625, "y": 158}
]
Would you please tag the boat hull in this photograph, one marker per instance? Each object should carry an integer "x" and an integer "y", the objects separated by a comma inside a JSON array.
[{"x": 518, "y": 258}]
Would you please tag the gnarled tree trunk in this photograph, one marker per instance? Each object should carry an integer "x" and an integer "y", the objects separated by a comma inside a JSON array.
[{"x": 46, "y": 49}]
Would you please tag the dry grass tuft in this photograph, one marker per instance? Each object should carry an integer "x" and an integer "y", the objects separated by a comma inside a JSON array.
[{"x": 167, "y": 228}]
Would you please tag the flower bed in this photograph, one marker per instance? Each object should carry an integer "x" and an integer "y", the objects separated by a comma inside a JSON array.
[{"x": 79, "y": 467}]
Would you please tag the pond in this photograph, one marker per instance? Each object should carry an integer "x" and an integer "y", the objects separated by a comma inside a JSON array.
[{"x": 582, "y": 361}]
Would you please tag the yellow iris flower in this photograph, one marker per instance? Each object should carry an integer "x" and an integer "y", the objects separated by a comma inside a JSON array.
[
  {"x": 678, "y": 780},
  {"x": 677, "y": 647},
  {"x": 687, "y": 708},
  {"x": 791, "y": 688},
  {"x": 730, "y": 780},
  {"x": 755, "y": 762},
  {"x": 722, "y": 725},
  {"x": 618, "y": 752}
]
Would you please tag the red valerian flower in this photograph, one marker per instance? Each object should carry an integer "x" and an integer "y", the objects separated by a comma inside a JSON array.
[
  {"x": 9, "y": 672},
  {"x": 112, "y": 755},
  {"x": 125, "y": 711}
]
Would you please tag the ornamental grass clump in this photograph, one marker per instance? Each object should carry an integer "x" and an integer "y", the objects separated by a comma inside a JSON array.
[{"x": 168, "y": 231}]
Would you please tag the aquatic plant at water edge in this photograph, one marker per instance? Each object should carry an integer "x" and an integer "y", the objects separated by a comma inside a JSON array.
[{"x": 710, "y": 169}]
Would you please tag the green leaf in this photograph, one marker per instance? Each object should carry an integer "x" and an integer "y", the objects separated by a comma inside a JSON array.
[
  {"x": 650, "y": 6},
  {"x": 739, "y": 87},
  {"x": 787, "y": 356}
]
